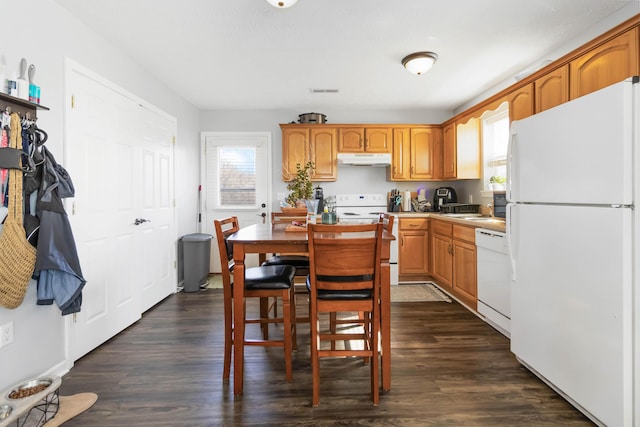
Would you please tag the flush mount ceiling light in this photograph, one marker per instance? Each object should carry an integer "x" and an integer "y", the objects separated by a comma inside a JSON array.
[
  {"x": 419, "y": 62},
  {"x": 282, "y": 4}
]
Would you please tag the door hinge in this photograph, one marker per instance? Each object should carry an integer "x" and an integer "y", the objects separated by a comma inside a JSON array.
[
  {"x": 75, "y": 317},
  {"x": 174, "y": 140},
  {"x": 73, "y": 101}
]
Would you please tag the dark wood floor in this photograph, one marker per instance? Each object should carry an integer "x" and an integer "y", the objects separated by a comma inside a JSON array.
[{"x": 449, "y": 369}]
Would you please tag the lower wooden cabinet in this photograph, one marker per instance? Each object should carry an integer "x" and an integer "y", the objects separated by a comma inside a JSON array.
[
  {"x": 454, "y": 260},
  {"x": 413, "y": 248},
  {"x": 465, "y": 284},
  {"x": 442, "y": 252}
]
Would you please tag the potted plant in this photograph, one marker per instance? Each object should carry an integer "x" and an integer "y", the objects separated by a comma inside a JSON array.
[
  {"x": 301, "y": 188},
  {"x": 497, "y": 182}
]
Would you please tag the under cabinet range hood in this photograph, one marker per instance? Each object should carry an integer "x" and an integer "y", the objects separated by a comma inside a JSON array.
[{"x": 364, "y": 159}]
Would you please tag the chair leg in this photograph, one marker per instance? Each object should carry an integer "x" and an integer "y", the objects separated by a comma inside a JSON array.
[
  {"x": 294, "y": 321},
  {"x": 332, "y": 327},
  {"x": 374, "y": 321},
  {"x": 287, "y": 336},
  {"x": 228, "y": 342},
  {"x": 315, "y": 360},
  {"x": 264, "y": 313}
]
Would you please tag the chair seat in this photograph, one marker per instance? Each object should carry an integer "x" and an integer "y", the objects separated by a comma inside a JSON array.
[
  {"x": 269, "y": 277},
  {"x": 300, "y": 262},
  {"x": 342, "y": 295}
]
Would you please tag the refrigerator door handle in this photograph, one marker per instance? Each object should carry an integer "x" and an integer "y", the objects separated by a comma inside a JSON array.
[
  {"x": 511, "y": 166},
  {"x": 510, "y": 242}
]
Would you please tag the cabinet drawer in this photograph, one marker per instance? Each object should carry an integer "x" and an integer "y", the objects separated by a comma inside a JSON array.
[
  {"x": 468, "y": 234},
  {"x": 441, "y": 227},
  {"x": 413, "y": 224}
]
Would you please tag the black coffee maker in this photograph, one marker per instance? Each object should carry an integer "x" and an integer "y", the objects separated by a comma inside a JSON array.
[
  {"x": 320, "y": 198},
  {"x": 442, "y": 196}
]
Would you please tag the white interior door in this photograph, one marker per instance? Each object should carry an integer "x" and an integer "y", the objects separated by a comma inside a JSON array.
[
  {"x": 236, "y": 173},
  {"x": 114, "y": 148},
  {"x": 157, "y": 184}
]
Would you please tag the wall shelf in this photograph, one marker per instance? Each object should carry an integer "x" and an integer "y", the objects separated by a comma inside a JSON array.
[{"x": 19, "y": 105}]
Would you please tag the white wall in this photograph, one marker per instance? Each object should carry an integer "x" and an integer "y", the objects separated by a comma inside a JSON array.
[{"x": 49, "y": 36}]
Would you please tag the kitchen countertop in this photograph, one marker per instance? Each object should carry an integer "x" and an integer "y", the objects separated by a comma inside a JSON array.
[{"x": 497, "y": 224}]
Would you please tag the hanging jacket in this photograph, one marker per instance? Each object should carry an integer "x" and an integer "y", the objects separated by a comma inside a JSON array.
[{"x": 57, "y": 264}]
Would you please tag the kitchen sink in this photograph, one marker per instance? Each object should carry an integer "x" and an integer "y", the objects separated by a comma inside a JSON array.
[{"x": 484, "y": 219}]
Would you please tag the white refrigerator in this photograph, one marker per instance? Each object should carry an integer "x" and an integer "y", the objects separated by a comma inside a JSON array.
[{"x": 573, "y": 237}]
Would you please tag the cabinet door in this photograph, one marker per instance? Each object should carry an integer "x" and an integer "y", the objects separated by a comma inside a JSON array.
[
  {"x": 521, "y": 103},
  {"x": 401, "y": 155},
  {"x": 378, "y": 140},
  {"x": 422, "y": 148},
  {"x": 442, "y": 260},
  {"x": 465, "y": 283},
  {"x": 552, "y": 89},
  {"x": 295, "y": 150},
  {"x": 323, "y": 150},
  {"x": 351, "y": 140},
  {"x": 609, "y": 63},
  {"x": 449, "y": 151},
  {"x": 413, "y": 252}
]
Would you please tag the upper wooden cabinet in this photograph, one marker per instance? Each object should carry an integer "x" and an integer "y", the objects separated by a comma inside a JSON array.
[
  {"x": 552, "y": 89},
  {"x": 449, "y": 150},
  {"x": 365, "y": 139},
  {"x": 425, "y": 143},
  {"x": 324, "y": 154},
  {"x": 401, "y": 155},
  {"x": 606, "y": 64},
  {"x": 317, "y": 144},
  {"x": 521, "y": 103},
  {"x": 416, "y": 154},
  {"x": 461, "y": 150}
]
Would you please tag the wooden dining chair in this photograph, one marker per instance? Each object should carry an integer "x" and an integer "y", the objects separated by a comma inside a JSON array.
[
  {"x": 344, "y": 263},
  {"x": 334, "y": 321},
  {"x": 300, "y": 262},
  {"x": 261, "y": 282}
]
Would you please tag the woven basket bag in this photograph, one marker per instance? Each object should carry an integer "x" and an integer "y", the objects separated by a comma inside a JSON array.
[{"x": 17, "y": 256}]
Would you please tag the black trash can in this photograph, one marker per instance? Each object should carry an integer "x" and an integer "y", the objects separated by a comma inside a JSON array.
[{"x": 194, "y": 252}]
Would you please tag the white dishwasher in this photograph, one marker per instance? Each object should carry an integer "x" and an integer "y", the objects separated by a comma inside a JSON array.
[{"x": 494, "y": 279}]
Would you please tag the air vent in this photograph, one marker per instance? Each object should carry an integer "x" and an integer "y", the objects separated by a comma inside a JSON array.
[{"x": 324, "y": 90}]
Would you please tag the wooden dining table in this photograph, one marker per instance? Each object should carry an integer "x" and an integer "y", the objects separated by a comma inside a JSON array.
[{"x": 274, "y": 238}]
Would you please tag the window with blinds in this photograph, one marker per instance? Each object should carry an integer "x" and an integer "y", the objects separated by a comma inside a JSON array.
[
  {"x": 236, "y": 176},
  {"x": 495, "y": 139}
]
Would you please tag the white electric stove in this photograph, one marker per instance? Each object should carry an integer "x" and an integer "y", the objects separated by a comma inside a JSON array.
[
  {"x": 360, "y": 208},
  {"x": 366, "y": 208}
]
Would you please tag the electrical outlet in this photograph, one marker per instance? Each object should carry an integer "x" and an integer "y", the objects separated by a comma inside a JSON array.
[{"x": 6, "y": 334}]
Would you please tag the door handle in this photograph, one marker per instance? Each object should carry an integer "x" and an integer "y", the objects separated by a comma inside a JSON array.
[{"x": 139, "y": 221}]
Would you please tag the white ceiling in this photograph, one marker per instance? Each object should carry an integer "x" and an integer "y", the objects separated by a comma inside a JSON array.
[{"x": 246, "y": 54}]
